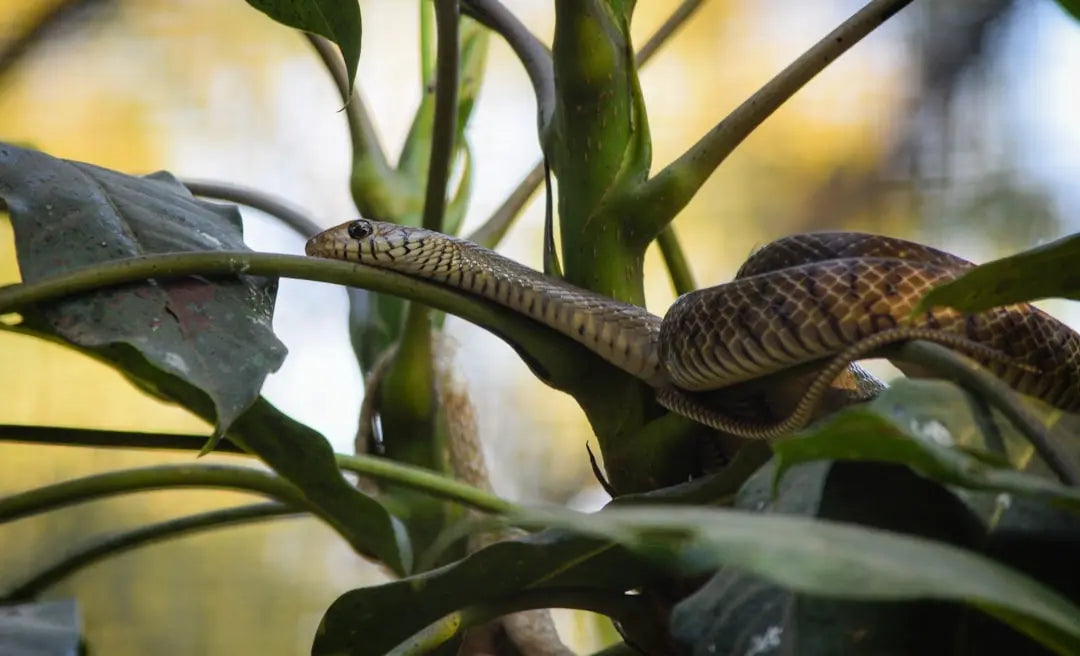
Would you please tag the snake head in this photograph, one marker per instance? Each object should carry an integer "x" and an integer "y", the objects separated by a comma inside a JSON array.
[
  {"x": 376, "y": 243},
  {"x": 358, "y": 240}
]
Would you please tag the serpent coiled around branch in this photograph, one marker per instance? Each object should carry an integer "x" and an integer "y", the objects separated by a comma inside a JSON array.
[{"x": 830, "y": 297}]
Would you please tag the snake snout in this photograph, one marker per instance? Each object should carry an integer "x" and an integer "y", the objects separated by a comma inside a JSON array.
[
  {"x": 321, "y": 245},
  {"x": 312, "y": 246},
  {"x": 327, "y": 243}
]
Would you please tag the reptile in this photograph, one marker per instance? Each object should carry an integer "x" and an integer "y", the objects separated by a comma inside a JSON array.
[{"x": 826, "y": 298}]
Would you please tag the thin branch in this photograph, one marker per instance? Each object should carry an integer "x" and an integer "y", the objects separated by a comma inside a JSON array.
[
  {"x": 972, "y": 375},
  {"x": 534, "y": 55},
  {"x": 383, "y": 469},
  {"x": 365, "y": 141},
  {"x": 58, "y": 16},
  {"x": 63, "y": 436},
  {"x": 231, "y": 263},
  {"x": 494, "y": 229},
  {"x": 491, "y": 232},
  {"x": 661, "y": 198},
  {"x": 113, "y": 545},
  {"x": 554, "y": 358},
  {"x": 260, "y": 200},
  {"x": 682, "y": 278},
  {"x": 160, "y": 477},
  {"x": 666, "y": 30},
  {"x": 447, "y": 22},
  {"x": 426, "y": 481}
]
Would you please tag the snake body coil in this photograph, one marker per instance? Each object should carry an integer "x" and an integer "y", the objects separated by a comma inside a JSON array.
[{"x": 854, "y": 296}]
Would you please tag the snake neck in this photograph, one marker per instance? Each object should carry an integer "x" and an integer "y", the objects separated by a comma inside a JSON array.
[{"x": 624, "y": 335}]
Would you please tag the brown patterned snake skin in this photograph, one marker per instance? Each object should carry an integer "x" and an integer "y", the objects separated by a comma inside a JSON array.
[{"x": 828, "y": 297}]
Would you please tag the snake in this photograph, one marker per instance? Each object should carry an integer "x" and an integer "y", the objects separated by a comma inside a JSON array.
[{"x": 823, "y": 299}]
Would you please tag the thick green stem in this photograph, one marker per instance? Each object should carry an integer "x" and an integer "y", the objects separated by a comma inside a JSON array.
[
  {"x": 258, "y": 199},
  {"x": 603, "y": 148},
  {"x": 492, "y": 231}
]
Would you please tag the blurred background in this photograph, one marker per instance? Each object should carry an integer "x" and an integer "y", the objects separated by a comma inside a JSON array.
[{"x": 956, "y": 124}]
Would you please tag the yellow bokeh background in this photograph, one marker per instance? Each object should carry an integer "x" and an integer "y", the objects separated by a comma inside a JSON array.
[{"x": 212, "y": 89}]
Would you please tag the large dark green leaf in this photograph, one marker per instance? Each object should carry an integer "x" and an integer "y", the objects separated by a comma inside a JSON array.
[
  {"x": 737, "y": 612},
  {"x": 370, "y": 621},
  {"x": 1071, "y": 6},
  {"x": 1045, "y": 272},
  {"x": 68, "y": 214},
  {"x": 930, "y": 427},
  {"x": 214, "y": 335},
  {"x": 337, "y": 20},
  {"x": 373, "y": 620},
  {"x": 831, "y": 559}
]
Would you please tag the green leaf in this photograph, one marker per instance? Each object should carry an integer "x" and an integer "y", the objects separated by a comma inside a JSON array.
[
  {"x": 305, "y": 458},
  {"x": 373, "y": 620},
  {"x": 736, "y": 610},
  {"x": 214, "y": 335},
  {"x": 830, "y": 559},
  {"x": 902, "y": 426},
  {"x": 337, "y": 20},
  {"x": 1071, "y": 6},
  {"x": 297, "y": 453},
  {"x": 1045, "y": 272}
]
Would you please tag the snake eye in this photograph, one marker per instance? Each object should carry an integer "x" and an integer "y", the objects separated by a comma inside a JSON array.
[{"x": 360, "y": 229}]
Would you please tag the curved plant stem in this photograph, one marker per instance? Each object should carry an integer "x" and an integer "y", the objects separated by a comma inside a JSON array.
[
  {"x": 666, "y": 30},
  {"x": 62, "y": 436},
  {"x": 382, "y": 469},
  {"x": 533, "y": 54},
  {"x": 425, "y": 481},
  {"x": 260, "y": 200},
  {"x": 159, "y": 477},
  {"x": 682, "y": 278},
  {"x": 494, "y": 229},
  {"x": 491, "y": 232},
  {"x": 554, "y": 358},
  {"x": 972, "y": 375},
  {"x": 113, "y": 545},
  {"x": 56, "y": 17},
  {"x": 231, "y": 263},
  {"x": 658, "y": 201}
]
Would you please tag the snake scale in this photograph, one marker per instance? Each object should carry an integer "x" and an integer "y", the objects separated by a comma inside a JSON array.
[{"x": 829, "y": 297}]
